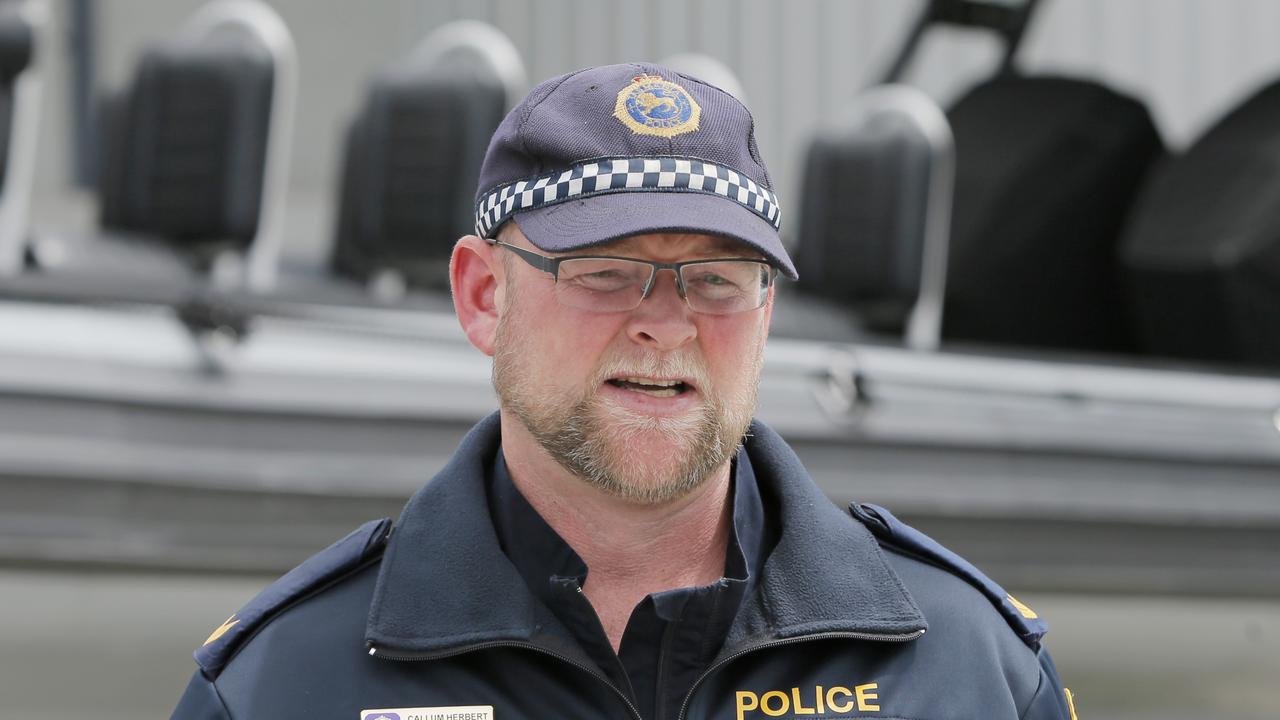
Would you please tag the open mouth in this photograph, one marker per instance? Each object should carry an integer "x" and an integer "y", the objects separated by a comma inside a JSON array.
[{"x": 652, "y": 387}]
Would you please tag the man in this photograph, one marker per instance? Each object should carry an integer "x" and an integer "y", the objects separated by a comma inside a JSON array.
[{"x": 620, "y": 540}]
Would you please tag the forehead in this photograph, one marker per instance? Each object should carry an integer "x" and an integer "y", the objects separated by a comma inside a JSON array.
[
  {"x": 655, "y": 246},
  {"x": 677, "y": 245}
]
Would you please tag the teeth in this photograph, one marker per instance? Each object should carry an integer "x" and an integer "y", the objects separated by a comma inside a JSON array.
[
  {"x": 658, "y": 392},
  {"x": 654, "y": 383},
  {"x": 649, "y": 386}
]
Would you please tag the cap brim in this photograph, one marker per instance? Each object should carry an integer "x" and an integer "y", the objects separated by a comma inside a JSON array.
[{"x": 598, "y": 219}]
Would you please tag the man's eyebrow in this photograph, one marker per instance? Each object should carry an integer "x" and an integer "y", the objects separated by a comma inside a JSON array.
[
  {"x": 718, "y": 246},
  {"x": 721, "y": 244}
]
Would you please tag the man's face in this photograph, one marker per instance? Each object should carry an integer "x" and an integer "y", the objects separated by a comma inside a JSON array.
[{"x": 644, "y": 404}]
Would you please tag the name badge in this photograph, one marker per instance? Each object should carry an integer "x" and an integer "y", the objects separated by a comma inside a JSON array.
[{"x": 459, "y": 712}]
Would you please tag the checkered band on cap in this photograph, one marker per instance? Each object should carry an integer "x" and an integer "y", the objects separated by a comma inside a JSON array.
[{"x": 628, "y": 174}]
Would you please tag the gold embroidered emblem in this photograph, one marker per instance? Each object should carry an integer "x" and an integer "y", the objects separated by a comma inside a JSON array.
[
  {"x": 222, "y": 629},
  {"x": 651, "y": 105},
  {"x": 1071, "y": 702},
  {"x": 1027, "y": 612}
]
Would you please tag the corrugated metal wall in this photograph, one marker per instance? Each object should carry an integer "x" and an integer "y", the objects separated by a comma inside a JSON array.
[{"x": 800, "y": 60}]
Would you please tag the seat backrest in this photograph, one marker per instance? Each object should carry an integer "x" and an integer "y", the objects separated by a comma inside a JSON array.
[
  {"x": 413, "y": 154},
  {"x": 185, "y": 145},
  {"x": 874, "y": 211},
  {"x": 411, "y": 164},
  {"x": 1046, "y": 171},
  {"x": 1202, "y": 254}
]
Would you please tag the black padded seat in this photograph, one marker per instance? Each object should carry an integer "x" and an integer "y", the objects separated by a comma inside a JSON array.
[
  {"x": 1203, "y": 251},
  {"x": 411, "y": 164},
  {"x": 874, "y": 215},
  {"x": 864, "y": 204},
  {"x": 1046, "y": 171},
  {"x": 184, "y": 148},
  {"x": 180, "y": 180}
]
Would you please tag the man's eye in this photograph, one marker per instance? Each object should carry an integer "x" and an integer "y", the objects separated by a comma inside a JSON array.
[
  {"x": 604, "y": 280},
  {"x": 712, "y": 279}
]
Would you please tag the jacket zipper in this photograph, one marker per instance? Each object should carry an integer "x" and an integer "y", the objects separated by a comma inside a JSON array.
[
  {"x": 393, "y": 655},
  {"x": 905, "y": 637}
]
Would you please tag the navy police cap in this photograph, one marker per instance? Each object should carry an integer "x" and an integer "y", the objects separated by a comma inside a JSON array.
[{"x": 608, "y": 152}]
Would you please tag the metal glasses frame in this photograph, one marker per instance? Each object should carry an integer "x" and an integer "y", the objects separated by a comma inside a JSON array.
[{"x": 551, "y": 265}]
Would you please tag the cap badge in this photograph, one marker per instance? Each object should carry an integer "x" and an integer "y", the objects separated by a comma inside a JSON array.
[{"x": 651, "y": 105}]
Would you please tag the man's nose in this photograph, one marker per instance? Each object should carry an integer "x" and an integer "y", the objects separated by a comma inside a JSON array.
[{"x": 663, "y": 321}]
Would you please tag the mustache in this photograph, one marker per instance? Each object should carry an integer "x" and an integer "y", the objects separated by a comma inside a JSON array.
[{"x": 684, "y": 365}]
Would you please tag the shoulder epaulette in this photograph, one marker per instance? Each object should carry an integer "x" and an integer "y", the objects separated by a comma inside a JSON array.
[
  {"x": 895, "y": 533},
  {"x": 365, "y": 542}
]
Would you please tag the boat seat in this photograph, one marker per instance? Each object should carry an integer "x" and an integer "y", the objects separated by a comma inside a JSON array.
[
  {"x": 1047, "y": 169},
  {"x": 1202, "y": 254},
  {"x": 874, "y": 212},
  {"x": 190, "y": 174},
  {"x": 184, "y": 149},
  {"x": 410, "y": 167}
]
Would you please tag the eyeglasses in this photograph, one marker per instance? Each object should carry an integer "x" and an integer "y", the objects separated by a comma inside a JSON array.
[{"x": 614, "y": 284}]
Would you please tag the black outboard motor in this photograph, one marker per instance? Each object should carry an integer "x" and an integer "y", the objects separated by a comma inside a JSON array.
[
  {"x": 412, "y": 157},
  {"x": 1203, "y": 250}
]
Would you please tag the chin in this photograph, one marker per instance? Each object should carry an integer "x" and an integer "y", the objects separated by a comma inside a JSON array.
[
  {"x": 635, "y": 456},
  {"x": 647, "y": 459}
]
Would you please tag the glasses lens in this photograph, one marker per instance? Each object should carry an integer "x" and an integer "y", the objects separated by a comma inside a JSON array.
[
  {"x": 727, "y": 286},
  {"x": 603, "y": 284}
]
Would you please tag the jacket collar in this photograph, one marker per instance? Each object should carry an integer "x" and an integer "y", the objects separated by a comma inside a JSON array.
[
  {"x": 445, "y": 582},
  {"x": 827, "y": 574}
]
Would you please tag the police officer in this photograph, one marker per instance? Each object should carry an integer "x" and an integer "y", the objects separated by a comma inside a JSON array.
[{"x": 621, "y": 540}]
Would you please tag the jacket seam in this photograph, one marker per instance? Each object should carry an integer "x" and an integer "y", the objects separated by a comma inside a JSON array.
[
  {"x": 1032, "y": 701},
  {"x": 1040, "y": 688},
  {"x": 226, "y": 711}
]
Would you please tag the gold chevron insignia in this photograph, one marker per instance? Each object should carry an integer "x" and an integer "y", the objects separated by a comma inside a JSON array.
[
  {"x": 1071, "y": 702},
  {"x": 222, "y": 629},
  {"x": 1027, "y": 612}
]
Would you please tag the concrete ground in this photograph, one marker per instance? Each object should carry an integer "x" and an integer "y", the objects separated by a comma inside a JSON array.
[{"x": 112, "y": 646}]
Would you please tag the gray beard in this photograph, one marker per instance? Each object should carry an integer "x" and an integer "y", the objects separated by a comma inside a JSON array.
[
  {"x": 589, "y": 438},
  {"x": 584, "y": 446}
]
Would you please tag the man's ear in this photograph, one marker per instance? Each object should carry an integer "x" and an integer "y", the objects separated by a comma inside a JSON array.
[{"x": 475, "y": 274}]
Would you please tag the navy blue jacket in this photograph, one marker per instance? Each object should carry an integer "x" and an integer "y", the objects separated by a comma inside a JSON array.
[{"x": 852, "y": 618}]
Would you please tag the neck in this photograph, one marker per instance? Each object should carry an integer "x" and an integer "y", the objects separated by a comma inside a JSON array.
[{"x": 631, "y": 550}]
